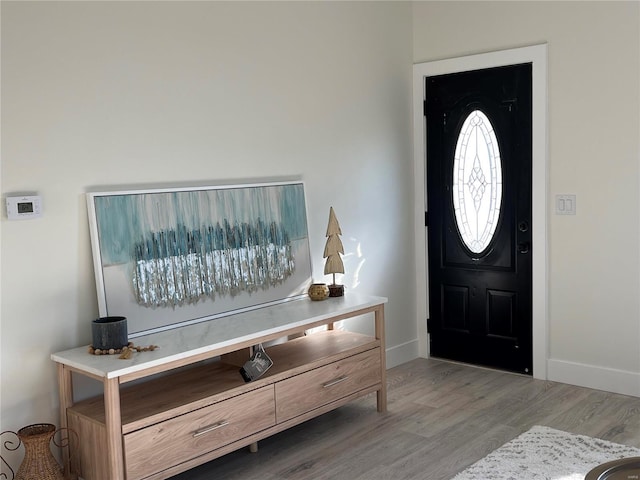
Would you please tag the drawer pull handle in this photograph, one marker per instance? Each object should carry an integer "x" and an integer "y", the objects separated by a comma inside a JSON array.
[
  {"x": 210, "y": 428},
  {"x": 335, "y": 382}
]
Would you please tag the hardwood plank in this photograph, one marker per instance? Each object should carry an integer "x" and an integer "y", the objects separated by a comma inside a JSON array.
[{"x": 441, "y": 417}]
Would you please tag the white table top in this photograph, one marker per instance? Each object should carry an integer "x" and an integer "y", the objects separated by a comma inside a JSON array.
[{"x": 199, "y": 338}]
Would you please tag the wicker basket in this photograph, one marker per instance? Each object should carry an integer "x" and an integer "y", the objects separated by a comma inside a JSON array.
[{"x": 38, "y": 462}]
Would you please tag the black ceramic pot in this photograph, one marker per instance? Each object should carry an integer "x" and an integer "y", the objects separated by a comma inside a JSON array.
[{"x": 109, "y": 332}]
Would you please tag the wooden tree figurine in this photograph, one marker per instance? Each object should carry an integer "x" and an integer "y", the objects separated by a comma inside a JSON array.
[{"x": 332, "y": 250}]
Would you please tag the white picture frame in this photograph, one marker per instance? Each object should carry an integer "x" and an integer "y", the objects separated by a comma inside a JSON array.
[{"x": 169, "y": 257}]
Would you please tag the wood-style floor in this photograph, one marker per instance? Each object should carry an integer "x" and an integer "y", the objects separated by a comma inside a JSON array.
[{"x": 441, "y": 418}]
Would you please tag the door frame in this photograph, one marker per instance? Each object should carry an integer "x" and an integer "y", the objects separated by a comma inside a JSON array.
[{"x": 537, "y": 55}]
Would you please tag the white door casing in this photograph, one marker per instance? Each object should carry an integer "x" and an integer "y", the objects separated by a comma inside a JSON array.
[{"x": 537, "y": 56}]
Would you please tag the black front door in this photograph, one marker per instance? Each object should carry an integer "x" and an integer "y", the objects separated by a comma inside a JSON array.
[{"x": 479, "y": 216}]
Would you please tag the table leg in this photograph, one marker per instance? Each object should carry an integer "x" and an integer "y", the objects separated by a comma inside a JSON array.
[
  {"x": 380, "y": 335},
  {"x": 65, "y": 387},
  {"x": 113, "y": 422}
]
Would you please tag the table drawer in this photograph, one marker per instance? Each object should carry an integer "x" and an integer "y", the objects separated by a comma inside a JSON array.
[
  {"x": 302, "y": 393},
  {"x": 179, "y": 439}
]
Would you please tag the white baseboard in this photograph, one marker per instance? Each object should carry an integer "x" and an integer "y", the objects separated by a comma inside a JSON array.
[
  {"x": 591, "y": 376},
  {"x": 402, "y": 353},
  {"x": 580, "y": 374}
]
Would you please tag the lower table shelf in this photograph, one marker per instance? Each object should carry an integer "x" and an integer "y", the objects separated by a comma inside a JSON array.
[{"x": 178, "y": 419}]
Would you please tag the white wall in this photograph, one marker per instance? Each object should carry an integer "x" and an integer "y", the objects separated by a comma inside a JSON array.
[
  {"x": 594, "y": 152},
  {"x": 125, "y": 93},
  {"x": 131, "y": 93}
]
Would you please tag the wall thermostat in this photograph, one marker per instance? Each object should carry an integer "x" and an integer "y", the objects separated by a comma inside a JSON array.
[{"x": 23, "y": 208}]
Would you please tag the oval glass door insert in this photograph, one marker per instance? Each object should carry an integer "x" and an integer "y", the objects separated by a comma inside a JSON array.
[{"x": 477, "y": 182}]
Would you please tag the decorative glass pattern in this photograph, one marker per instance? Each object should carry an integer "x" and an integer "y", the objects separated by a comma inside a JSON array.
[{"x": 477, "y": 182}]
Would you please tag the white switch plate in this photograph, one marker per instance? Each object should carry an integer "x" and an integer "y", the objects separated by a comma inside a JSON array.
[{"x": 565, "y": 204}]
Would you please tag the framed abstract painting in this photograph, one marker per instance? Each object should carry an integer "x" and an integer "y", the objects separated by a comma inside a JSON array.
[{"x": 169, "y": 257}]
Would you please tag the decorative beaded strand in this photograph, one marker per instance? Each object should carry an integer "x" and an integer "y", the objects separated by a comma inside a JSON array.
[{"x": 124, "y": 351}]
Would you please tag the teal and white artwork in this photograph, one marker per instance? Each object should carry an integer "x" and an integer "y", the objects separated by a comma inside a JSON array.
[{"x": 170, "y": 257}]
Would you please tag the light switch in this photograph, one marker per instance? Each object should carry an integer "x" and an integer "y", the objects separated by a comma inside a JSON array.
[{"x": 565, "y": 204}]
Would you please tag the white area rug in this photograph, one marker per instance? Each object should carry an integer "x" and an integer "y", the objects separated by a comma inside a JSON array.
[{"x": 545, "y": 453}]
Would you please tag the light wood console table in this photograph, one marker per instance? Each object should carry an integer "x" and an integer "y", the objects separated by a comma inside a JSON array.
[{"x": 190, "y": 404}]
